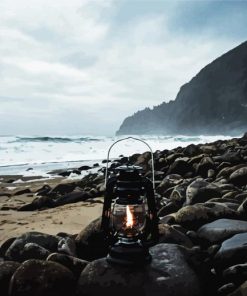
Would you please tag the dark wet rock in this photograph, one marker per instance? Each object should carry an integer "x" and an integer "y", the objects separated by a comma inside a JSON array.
[
  {"x": 172, "y": 157},
  {"x": 71, "y": 197},
  {"x": 233, "y": 251},
  {"x": 33, "y": 251},
  {"x": 35, "y": 277},
  {"x": 230, "y": 157},
  {"x": 223, "y": 165},
  {"x": 168, "y": 234},
  {"x": 5, "y": 245},
  {"x": 194, "y": 216},
  {"x": 84, "y": 168},
  {"x": 178, "y": 195},
  {"x": 5, "y": 194},
  {"x": 240, "y": 291},
  {"x": 42, "y": 202},
  {"x": 7, "y": 269},
  {"x": 236, "y": 274},
  {"x": 46, "y": 241},
  {"x": 43, "y": 190},
  {"x": 95, "y": 165},
  {"x": 23, "y": 191},
  {"x": 65, "y": 173},
  {"x": 91, "y": 242},
  {"x": 242, "y": 210},
  {"x": 180, "y": 167},
  {"x": 226, "y": 289},
  {"x": 208, "y": 149},
  {"x": 228, "y": 194},
  {"x": 221, "y": 230},
  {"x": 168, "y": 271},
  {"x": 204, "y": 165},
  {"x": 62, "y": 189},
  {"x": 143, "y": 160},
  {"x": 201, "y": 191},
  {"x": 169, "y": 181},
  {"x": 226, "y": 172},
  {"x": 75, "y": 265},
  {"x": 241, "y": 196},
  {"x": 171, "y": 207},
  {"x": 191, "y": 150},
  {"x": 239, "y": 177},
  {"x": 67, "y": 246}
]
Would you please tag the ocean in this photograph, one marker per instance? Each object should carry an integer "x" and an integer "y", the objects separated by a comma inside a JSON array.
[{"x": 37, "y": 155}]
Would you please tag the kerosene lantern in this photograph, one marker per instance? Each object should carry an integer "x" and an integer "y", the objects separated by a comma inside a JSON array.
[{"x": 129, "y": 218}]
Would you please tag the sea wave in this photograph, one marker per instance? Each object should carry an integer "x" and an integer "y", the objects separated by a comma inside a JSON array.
[{"x": 55, "y": 139}]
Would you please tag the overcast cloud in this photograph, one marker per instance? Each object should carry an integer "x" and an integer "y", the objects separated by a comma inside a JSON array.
[{"x": 81, "y": 67}]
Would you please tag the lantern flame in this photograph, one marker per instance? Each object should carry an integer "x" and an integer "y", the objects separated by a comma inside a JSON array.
[{"x": 129, "y": 215}]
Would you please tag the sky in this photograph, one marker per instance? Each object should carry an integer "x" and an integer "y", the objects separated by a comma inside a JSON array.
[{"x": 79, "y": 67}]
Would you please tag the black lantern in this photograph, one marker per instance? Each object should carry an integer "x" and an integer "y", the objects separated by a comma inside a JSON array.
[{"x": 129, "y": 218}]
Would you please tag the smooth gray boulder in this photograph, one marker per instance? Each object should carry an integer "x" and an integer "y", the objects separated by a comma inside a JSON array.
[
  {"x": 42, "y": 278},
  {"x": 168, "y": 274},
  {"x": 221, "y": 229},
  {"x": 232, "y": 252}
]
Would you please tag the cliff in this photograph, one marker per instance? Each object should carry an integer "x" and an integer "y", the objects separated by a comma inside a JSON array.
[{"x": 213, "y": 102}]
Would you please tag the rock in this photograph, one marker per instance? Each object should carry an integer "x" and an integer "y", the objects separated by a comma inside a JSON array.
[
  {"x": 226, "y": 289},
  {"x": 240, "y": 291},
  {"x": 33, "y": 251},
  {"x": 74, "y": 264},
  {"x": 192, "y": 217},
  {"x": 5, "y": 245},
  {"x": 84, "y": 168},
  {"x": 191, "y": 150},
  {"x": 43, "y": 190},
  {"x": 39, "y": 203},
  {"x": 46, "y": 241},
  {"x": 233, "y": 251},
  {"x": 64, "y": 173},
  {"x": 241, "y": 196},
  {"x": 169, "y": 181},
  {"x": 239, "y": 177},
  {"x": 23, "y": 191},
  {"x": 230, "y": 156},
  {"x": 242, "y": 210},
  {"x": 208, "y": 149},
  {"x": 236, "y": 274},
  {"x": 91, "y": 242},
  {"x": 169, "y": 234},
  {"x": 35, "y": 277},
  {"x": 62, "y": 189},
  {"x": 226, "y": 172},
  {"x": 205, "y": 164},
  {"x": 178, "y": 195},
  {"x": 67, "y": 246},
  {"x": 173, "y": 156},
  {"x": 71, "y": 197},
  {"x": 201, "y": 191},
  {"x": 167, "y": 273},
  {"x": 7, "y": 269},
  {"x": 168, "y": 209},
  {"x": 221, "y": 230},
  {"x": 180, "y": 167}
]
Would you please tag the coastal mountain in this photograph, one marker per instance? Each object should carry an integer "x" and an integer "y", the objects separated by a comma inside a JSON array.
[{"x": 213, "y": 102}]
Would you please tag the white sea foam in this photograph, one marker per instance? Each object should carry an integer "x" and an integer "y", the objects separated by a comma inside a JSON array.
[{"x": 17, "y": 154}]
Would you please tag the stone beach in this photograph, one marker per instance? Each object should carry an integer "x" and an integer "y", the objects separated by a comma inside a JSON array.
[{"x": 51, "y": 242}]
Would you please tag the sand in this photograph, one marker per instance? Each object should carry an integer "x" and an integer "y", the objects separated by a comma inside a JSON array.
[{"x": 70, "y": 218}]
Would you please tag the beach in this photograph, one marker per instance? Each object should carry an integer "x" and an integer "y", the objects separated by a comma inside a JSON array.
[{"x": 70, "y": 218}]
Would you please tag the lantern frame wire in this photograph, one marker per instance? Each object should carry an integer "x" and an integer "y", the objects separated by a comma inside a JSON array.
[{"x": 136, "y": 139}]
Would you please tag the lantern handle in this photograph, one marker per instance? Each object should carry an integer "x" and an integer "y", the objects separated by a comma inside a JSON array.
[{"x": 151, "y": 152}]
